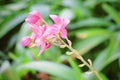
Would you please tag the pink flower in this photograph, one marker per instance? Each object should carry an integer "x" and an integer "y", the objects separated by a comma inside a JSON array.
[
  {"x": 45, "y": 35},
  {"x": 25, "y": 41},
  {"x": 34, "y": 18},
  {"x": 61, "y": 25},
  {"x": 50, "y": 31},
  {"x": 38, "y": 33},
  {"x": 44, "y": 45},
  {"x": 39, "y": 37}
]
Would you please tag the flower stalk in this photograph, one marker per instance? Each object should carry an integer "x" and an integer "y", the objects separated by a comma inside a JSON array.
[{"x": 89, "y": 65}]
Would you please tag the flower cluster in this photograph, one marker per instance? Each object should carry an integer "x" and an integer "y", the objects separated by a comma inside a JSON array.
[{"x": 45, "y": 35}]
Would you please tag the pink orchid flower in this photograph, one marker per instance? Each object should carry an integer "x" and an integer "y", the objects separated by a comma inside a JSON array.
[
  {"x": 39, "y": 37},
  {"x": 61, "y": 23},
  {"x": 45, "y": 35},
  {"x": 26, "y": 41},
  {"x": 50, "y": 31},
  {"x": 44, "y": 45},
  {"x": 38, "y": 34},
  {"x": 34, "y": 18}
]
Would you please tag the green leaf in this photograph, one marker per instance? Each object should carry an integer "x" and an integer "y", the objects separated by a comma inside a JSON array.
[
  {"x": 12, "y": 56},
  {"x": 11, "y": 42},
  {"x": 11, "y": 23},
  {"x": 55, "y": 69},
  {"x": 78, "y": 72},
  {"x": 90, "y": 22},
  {"x": 104, "y": 77},
  {"x": 16, "y": 6},
  {"x": 8, "y": 72},
  {"x": 67, "y": 13},
  {"x": 108, "y": 55},
  {"x": 71, "y": 3},
  {"x": 3, "y": 55},
  {"x": 24, "y": 31},
  {"x": 93, "y": 3},
  {"x": 53, "y": 53},
  {"x": 93, "y": 77},
  {"x": 112, "y": 12},
  {"x": 87, "y": 33},
  {"x": 42, "y": 8},
  {"x": 86, "y": 45}
]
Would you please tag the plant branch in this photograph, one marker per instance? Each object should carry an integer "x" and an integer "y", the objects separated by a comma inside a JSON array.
[{"x": 81, "y": 59}]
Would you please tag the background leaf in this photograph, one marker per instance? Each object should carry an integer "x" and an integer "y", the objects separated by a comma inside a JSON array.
[
  {"x": 55, "y": 69},
  {"x": 78, "y": 72},
  {"x": 113, "y": 13},
  {"x": 11, "y": 23}
]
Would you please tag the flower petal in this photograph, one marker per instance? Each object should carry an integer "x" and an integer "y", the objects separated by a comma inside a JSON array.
[
  {"x": 63, "y": 33},
  {"x": 65, "y": 22},
  {"x": 34, "y": 18},
  {"x": 44, "y": 46},
  {"x": 56, "y": 19},
  {"x": 50, "y": 31}
]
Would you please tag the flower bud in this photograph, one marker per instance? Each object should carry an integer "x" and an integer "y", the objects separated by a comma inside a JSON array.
[
  {"x": 62, "y": 46},
  {"x": 81, "y": 65},
  {"x": 69, "y": 53},
  {"x": 34, "y": 18},
  {"x": 90, "y": 62},
  {"x": 25, "y": 41}
]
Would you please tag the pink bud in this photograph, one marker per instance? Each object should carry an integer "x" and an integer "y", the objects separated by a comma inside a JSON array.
[
  {"x": 25, "y": 41},
  {"x": 34, "y": 18}
]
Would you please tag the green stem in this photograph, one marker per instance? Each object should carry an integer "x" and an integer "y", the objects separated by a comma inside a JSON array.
[
  {"x": 44, "y": 21},
  {"x": 82, "y": 59},
  {"x": 32, "y": 53}
]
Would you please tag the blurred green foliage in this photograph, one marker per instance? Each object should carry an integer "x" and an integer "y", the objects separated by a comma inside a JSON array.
[{"x": 94, "y": 31}]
